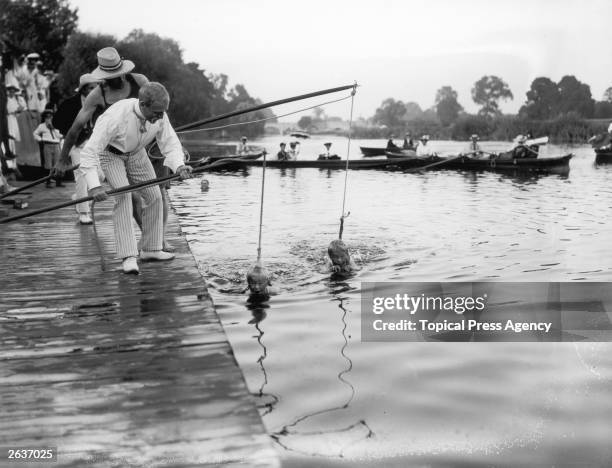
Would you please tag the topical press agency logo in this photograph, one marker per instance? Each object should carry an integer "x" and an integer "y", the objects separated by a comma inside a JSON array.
[{"x": 485, "y": 312}]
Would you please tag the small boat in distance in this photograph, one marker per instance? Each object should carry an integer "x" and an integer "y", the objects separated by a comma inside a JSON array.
[
  {"x": 369, "y": 152},
  {"x": 385, "y": 164},
  {"x": 248, "y": 157},
  {"x": 559, "y": 164},
  {"x": 603, "y": 156},
  {"x": 300, "y": 135},
  {"x": 401, "y": 153}
]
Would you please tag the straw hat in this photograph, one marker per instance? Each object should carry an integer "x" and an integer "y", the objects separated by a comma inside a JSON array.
[
  {"x": 111, "y": 65},
  {"x": 84, "y": 80}
]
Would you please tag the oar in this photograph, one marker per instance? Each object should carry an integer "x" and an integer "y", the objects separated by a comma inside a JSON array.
[
  {"x": 119, "y": 191},
  {"x": 439, "y": 163},
  {"x": 32, "y": 184}
]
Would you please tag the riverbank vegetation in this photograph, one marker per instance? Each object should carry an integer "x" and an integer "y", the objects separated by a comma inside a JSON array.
[{"x": 564, "y": 111}]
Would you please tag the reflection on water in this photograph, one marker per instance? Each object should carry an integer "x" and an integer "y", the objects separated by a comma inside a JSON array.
[
  {"x": 285, "y": 434},
  {"x": 324, "y": 394}
]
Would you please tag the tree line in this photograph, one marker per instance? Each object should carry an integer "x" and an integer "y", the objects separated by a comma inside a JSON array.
[
  {"x": 565, "y": 111},
  {"x": 50, "y": 28}
]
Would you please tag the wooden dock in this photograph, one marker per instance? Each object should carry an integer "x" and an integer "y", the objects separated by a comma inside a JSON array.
[{"x": 115, "y": 370}]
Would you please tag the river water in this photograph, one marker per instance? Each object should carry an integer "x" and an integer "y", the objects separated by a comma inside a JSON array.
[{"x": 328, "y": 399}]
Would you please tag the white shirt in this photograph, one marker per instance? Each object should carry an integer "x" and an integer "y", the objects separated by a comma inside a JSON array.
[
  {"x": 293, "y": 153},
  {"x": 47, "y": 134},
  {"x": 243, "y": 148},
  {"x": 423, "y": 149},
  {"x": 123, "y": 126}
]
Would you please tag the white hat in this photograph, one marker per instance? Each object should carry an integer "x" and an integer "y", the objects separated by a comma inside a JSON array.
[
  {"x": 33, "y": 56},
  {"x": 111, "y": 65},
  {"x": 425, "y": 137}
]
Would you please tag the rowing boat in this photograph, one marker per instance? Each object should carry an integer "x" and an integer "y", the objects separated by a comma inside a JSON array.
[
  {"x": 401, "y": 154},
  {"x": 603, "y": 156},
  {"x": 370, "y": 151},
  {"x": 248, "y": 156},
  {"x": 556, "y": 164},
  {"x": 387, "y": 164}
]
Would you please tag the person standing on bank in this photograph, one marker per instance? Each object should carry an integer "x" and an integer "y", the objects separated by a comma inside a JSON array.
[
  {"x": 63, "y": 120},
  {"x": 50, "y": 137},
  {"x": 117, "y": 84},
  {"x": 117, "y": 144}
]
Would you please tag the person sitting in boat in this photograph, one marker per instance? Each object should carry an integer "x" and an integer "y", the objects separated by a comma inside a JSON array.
[
  {"x": 391, "y": 146},
  {"x": 424, "y": 148},
  {"x": 243, "y": 148},
  {"x": 282, "y": 155},
  {"x": 327, "y": 154},
  {"x": 473, "y": 149},
  {"x": 532, "y": 150},
  {"x": 521, "y": 150},
  {"x": 294, "y": 150},
  {"x": 603, "y": 141},
  {"x": 408, "y": 142}
]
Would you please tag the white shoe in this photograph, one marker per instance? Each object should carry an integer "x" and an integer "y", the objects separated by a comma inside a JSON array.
[
  {"x": 158, "y": 255},
  {"x": 130, "y": 267},
  {"x": 84, "y": 218}
]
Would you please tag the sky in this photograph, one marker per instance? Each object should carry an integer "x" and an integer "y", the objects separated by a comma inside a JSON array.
[{"x": 406, "y": 50}]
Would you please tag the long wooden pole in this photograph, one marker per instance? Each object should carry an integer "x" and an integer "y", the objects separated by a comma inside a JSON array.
[
  {"x": 118, "y": 191},
  {"x": 32, "y": 184},
  {"x": 199, "y": 123}
]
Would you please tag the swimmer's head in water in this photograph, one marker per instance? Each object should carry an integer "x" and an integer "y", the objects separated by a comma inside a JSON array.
[
  {"x": 339, "y": 256},
  {"x": 258, "y": 280}
]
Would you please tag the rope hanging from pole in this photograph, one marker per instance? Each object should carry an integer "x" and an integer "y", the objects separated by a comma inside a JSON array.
[
  {"x": 261, "y": 205},
  {"x": 348, "y": 152},
  {"x": 257, "y": 277}
]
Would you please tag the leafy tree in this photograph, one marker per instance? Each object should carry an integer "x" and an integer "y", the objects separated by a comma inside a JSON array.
[
  {"x": 447, "y": 106},
  {"x": 161, "y": 59},
  {"x": 608, "y": 94},
  {"x": 319, "y": 113},
  {"x": 305, "y": 122},
  {"x": 413, "y": 111},
  {"x": 542, "y": 100},
  {"x": 603, "y": 110},
  {"x": 487, "y": 92},
  {"x": 80, "y": 57},
  {"x": 575, "y": 96},
  {"x": 390, "y": 113},
  {"x": 41, "y": 26}
]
